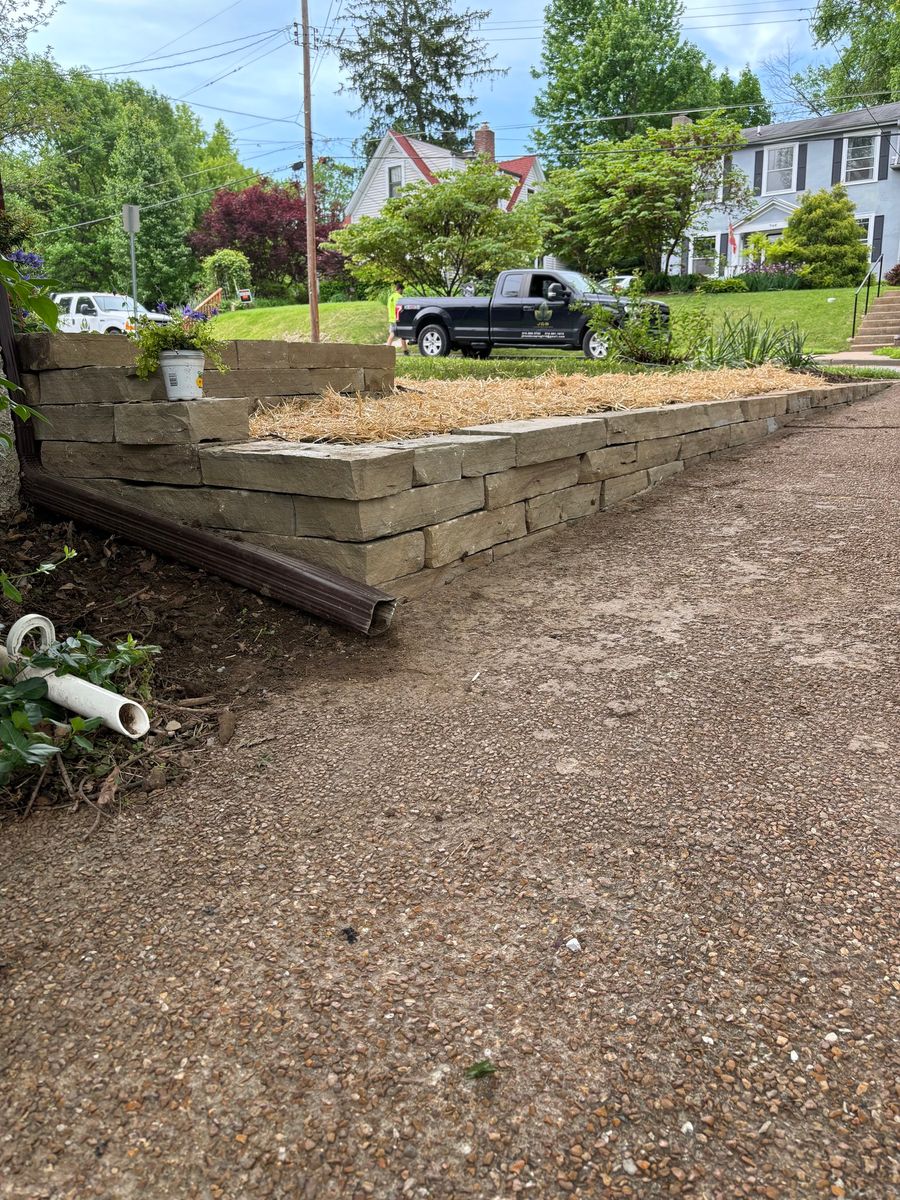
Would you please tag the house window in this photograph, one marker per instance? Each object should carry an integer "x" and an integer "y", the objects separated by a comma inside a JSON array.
[
  {"x": 704, "y": 260},
  {"x": 859, "y": 159},
  {"x": 780, "y": 169},
  {"x": 865, "y": 229},
  {"x": 395, "y": 181}
]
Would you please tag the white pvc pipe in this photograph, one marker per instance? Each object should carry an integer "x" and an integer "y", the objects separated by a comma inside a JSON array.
[{"x": 77, "y": 695}]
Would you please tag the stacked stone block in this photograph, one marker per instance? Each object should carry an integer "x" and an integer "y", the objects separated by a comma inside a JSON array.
[{"x": 403, "y": 515}]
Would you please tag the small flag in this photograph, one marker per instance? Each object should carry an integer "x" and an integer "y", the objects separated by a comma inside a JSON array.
[{"x": 732, "y": 240}]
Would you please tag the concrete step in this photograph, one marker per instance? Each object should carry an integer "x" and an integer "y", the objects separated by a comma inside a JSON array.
[
  {"x": 868, "y": 326},
  {"x": 869, "y": 344}
]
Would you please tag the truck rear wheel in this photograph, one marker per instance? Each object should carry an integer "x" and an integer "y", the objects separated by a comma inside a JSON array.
[
  {"x": 434, "y": 342},
  {"x": 594, "y": 345}
]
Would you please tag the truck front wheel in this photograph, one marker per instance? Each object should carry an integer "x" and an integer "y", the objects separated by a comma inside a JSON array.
[
  {"x": 594, "y": 345},
  {"x": 434, "y": 342}
]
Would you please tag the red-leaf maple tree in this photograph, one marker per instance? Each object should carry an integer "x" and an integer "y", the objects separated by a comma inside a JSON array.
[{"x": 267, "y": 222}]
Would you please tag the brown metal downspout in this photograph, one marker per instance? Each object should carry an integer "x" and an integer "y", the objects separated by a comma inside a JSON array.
[{"x": 312, "y": 589}]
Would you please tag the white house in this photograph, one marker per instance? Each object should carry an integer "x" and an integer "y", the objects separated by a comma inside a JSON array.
[
  {"x": 400, "y": 160},
  {"x": 860, "y": 149}
]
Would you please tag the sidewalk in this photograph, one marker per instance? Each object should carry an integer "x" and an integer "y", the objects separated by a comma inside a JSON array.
[
  {"x": 616, "y": 815},
  {"x": 860, "y": 358}
]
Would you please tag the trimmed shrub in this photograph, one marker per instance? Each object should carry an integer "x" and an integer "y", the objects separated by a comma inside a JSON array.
[
  {"x": 823, "y": 235},
  {"x": 656, "y": 281},
  {"x": 771, "y": 277},
  {"x": 892, "y": 277},
  {"x": 685, "y": 283},
  {"x": 714, "y": 286}
]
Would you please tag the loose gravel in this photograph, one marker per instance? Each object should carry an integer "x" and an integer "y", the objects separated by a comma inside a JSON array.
[{"x": 616, "y": 816}]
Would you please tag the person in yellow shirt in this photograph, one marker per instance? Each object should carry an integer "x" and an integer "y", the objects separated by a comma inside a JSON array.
[{"x": 393, "y": 300}]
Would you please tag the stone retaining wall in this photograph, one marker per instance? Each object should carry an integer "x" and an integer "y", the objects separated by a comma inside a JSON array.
[
  {"x": 77, "y": 369},
  {"x": 403, "y": 515}
]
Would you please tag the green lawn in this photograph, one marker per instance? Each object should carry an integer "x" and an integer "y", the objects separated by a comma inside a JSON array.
[
  {"x": 360, "y": 321},
  {"x": 824, "y": 314}
]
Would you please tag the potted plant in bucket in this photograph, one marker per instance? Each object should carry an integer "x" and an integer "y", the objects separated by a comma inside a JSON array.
[{"x": 179, "y": 348}]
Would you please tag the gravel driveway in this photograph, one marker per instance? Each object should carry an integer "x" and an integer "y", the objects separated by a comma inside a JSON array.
[{"x": 617, "y": 815}]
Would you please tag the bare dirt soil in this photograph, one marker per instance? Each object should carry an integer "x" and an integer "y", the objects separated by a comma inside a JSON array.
[{"x": 617, "y": 816}]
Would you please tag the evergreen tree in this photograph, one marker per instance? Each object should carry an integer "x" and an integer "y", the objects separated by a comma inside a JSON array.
[
  {"x": 606, "y": 57},
  {"x": 142, "y": 171},
  {"x": 746, "y": 91},
  {"x": 412, "y": 63},
  {"x": 823, "y": 239}
]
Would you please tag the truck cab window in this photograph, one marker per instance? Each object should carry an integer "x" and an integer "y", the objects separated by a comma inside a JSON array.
[
  {"x": 540, "y": 285},
  {"x": 511, "y": 285},
  {"x": 85, "y": 307}
]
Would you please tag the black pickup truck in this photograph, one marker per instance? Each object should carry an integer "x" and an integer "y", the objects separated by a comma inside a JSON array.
[{"x": 528, "y": 308}]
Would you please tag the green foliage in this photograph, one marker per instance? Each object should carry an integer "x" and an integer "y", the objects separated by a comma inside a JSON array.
[
  {"x": 713, "y": 287},
  {"x": 26, "y": 296},
  {"x": 746, "y": 91},
  {"x": 27, "y": 717},
  {"x": 335, "y": 182},
  {"x": 70, "y": 142},
  {"x": 749, "y": 341},
  {"x": 642, "y": 337},
  {"x": 601, "y": 58},
  {"x": 226, "y": 269},
  {"x": 688, "y": 281},
  {"x": 641, "y": 196},
  {"x": 23, "y": 707},
  {"x": 142, "y": 170},
  {"x": 889, "y": 351},
  {"x": 186, "y": 331},
  {"x": 83, "y": 656},
  {"x": 412, "y": 63},
  {"x": 867, "y": 32},
  {"x": 822, "y": 239},
  {"x": 483, "y": 1069},
  {"x": 10, "y": 585},
  {"x": 434, "y": 237}
]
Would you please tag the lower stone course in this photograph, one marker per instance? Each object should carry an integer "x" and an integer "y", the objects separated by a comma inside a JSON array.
[{"x": 404, "y": 515}]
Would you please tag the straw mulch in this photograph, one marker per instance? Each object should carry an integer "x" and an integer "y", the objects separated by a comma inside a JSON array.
[{"x": 439, "y": 406}]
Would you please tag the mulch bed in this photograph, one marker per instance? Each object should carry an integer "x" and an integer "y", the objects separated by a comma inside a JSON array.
[{"x": 442, "y": 405}]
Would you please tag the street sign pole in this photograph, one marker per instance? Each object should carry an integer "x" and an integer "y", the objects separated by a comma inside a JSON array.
[{"x": 131, "y": 223}]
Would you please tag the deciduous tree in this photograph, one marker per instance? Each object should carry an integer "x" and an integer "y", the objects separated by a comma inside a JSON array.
[
  {"x": 436, "y": 237},
  {"x": 604, "y": 59},
  {"x": 641, "y": 196},
  {"x": 267, "y": 223}
]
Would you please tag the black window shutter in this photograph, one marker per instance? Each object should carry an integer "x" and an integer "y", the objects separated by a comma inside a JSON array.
[
  {"x": 726, "y": 171},
  {"x": 884, "y": 154},
  {"x": 758, "y": 173},
  {"x": 837, "y": 157},
  {"x": 801, "y": 166},
  {"x": 723, "y": 245},
  {"x": 877, "y": 237}
]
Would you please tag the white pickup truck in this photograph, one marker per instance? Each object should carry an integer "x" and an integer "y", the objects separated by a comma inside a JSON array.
[{"x": 100, "y": 312}]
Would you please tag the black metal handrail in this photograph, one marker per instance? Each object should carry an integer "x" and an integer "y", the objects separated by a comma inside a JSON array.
[{"x": 867, "y": 283}]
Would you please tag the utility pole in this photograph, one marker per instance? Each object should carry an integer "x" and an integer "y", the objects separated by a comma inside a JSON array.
[
  {"x": 131, "y": 223},
  {"x": 311, "y": 248}
]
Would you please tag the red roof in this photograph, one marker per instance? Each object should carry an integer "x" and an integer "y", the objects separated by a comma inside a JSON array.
[
  {"x": 521, "y": 167},
  {"x": 407, "y": 145}
]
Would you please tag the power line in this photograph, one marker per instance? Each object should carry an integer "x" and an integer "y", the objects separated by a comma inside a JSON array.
[
  {"x": 159, "y": 204},
  {"x": 232, "y": 71},
  {"x": 193, "y": 28},
  {"x": 264, "y": 36}
]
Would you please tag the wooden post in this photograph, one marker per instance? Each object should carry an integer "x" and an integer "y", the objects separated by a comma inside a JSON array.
[{"x": 311, "y": 247}]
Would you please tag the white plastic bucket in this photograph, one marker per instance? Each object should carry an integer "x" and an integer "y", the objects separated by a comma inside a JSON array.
[{"x": 182, "y": 372}]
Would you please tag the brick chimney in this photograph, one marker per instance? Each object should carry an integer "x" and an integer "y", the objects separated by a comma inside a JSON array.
[
  {"x": 484, "y": 141},
  {"x": 681, "y": 119}
]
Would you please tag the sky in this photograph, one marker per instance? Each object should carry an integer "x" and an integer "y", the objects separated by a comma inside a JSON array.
[{"x": 260, "y": 75}]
